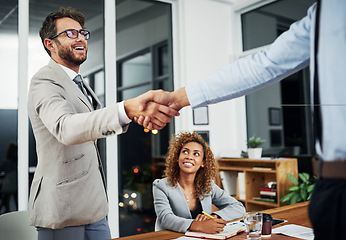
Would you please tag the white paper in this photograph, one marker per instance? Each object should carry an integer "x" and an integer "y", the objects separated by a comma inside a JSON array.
[
  {"x": 185, "y": 238},
  {"x": 297, "y": 231}
]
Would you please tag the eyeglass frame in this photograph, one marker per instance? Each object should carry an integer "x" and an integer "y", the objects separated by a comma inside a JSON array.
[{"x": 87, "y": 33}]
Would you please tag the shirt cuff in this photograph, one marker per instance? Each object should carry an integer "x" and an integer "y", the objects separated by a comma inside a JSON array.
[
  {"x": 123, "y": 118},
  {"x": 193, "y": 92}
]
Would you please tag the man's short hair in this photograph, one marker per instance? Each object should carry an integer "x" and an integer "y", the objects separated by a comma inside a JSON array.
[{"x": 48, "y": 28}]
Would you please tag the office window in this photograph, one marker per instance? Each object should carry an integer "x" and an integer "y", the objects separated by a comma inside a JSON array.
[
  {"x": 291, "y": 96},
  {"x": 136, "y": 71},
  {"x": 139, "y": 150},
  {"x": 8, "y": 106},
  {"x": 262, "y": 25},
  {"x": 144, "y": 62}
]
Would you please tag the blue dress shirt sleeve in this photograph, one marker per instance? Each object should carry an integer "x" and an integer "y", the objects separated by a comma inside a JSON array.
[{"x": 289, "y": 53}]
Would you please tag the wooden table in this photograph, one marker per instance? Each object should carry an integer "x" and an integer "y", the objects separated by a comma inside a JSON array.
[{"x": 294, "y": 214}]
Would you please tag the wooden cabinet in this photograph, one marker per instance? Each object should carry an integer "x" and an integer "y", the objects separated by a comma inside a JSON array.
[{"x": 258, "y": 172}]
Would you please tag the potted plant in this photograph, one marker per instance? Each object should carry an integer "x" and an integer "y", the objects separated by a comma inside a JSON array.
[
  {"x": 254, "y": 149},
  {"x": 302, "y": 189}
]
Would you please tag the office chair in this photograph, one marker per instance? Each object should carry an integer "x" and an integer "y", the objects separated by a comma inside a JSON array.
[{"x": 15, "y": 226}]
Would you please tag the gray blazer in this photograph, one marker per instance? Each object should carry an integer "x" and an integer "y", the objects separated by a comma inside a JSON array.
[
  {"x": 68, "y": 187},
  {"x": 172, "y": 210}
]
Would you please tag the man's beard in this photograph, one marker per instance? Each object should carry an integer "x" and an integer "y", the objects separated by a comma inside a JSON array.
[{"x": 67, "y": 55}]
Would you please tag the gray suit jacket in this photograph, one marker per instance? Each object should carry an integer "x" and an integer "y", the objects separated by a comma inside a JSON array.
[
  {"x": 172, "y": 210},
  {"x": 68, "y": 187}
]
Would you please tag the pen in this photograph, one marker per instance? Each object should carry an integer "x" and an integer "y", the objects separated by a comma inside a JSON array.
[{"x": 207, "y": 214}]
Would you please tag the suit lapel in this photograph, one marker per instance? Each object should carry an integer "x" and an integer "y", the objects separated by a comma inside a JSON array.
[
  {"x": 66, "y": 81},
  {"x": 206, "y": 206},
  {"x": 179, "y": 192},
  {"x": 93, "y": 95}
]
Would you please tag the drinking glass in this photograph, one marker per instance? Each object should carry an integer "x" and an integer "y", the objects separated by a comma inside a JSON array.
[{"x": 253, "y": 224}]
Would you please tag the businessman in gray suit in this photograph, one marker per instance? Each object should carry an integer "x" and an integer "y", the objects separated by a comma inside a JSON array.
[{"x": 68, "y": 197}]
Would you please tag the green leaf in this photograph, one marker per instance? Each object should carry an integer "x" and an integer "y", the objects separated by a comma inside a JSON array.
[
  {"x": 255, "y": 142},
  {"x": 292, "y": 178},
  {"x": 309, "y": 197},
  {"x": 294, "y": 188},
  {"x": 304, "y": 177},
  {"x": 295, "y": 198},
  {"x": 287, "y": 197},
  {"x": 303, "y": 194},
  {"x": 311, "y": 188},
  {"x": 302, "y": 189},
  {"x": 302, "y": 185}
]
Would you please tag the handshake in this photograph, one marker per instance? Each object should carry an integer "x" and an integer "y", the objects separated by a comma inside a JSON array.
[{"x": 155, "y": 108}]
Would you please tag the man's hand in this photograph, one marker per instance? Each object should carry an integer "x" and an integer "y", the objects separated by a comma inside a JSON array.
[
  {"x": 159, "y": 115},
  {"x": 175, "y": 100}
]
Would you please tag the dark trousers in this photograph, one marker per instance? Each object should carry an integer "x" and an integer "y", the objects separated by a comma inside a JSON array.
[{"x": 327, "y": 209}]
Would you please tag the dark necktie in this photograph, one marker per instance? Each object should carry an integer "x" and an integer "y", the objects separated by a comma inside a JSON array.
[
  {"x": 78, "y": 80},
  {"x": 317, "y": 103}
]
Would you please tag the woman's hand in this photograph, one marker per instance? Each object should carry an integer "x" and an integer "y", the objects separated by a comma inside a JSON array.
[
  {"x": 201, "y": 217},
  {"x": 209, "y": 225}
]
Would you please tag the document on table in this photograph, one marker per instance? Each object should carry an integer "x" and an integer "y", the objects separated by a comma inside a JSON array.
[
  {"x": 297, "y": 231},
  {"x": 185, "y": 238}
]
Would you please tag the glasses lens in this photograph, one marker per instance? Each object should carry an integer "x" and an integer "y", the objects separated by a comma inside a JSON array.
[
  {"x": 72, "y": 33},
  {"x": 85, "y": 33}
]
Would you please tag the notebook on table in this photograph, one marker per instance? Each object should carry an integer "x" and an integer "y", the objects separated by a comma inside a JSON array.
[{"x": 230, "y": 230}]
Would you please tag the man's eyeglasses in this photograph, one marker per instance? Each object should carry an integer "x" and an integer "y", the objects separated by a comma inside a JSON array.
[{"x": 73, "y": 33}]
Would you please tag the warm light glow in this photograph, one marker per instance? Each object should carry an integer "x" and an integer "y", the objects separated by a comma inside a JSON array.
[
  {"x": 154, "y": 131},
  {"x": 134, "y": 195},
  {"x": 121, "y": 204},
  {"x": 131, "y": 202},
  {"x": 146, "y": 130},
  {"x": 147, "y": 220},
  {"x": 126, "y": 195},
  {"x": 139, "y": 229},
  {"x": 135, "y": 170}
]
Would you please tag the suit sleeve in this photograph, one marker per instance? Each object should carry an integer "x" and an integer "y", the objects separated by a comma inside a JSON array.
[
  {"x": 166, "y": 219},
  {"x": 229, "y": 207},
  {"x": 66, "y": 118}
]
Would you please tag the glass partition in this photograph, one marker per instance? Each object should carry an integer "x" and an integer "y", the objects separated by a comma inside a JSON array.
[
  {"x": 279, "y": 113},
  {"x": 8, "y": 106},
  {"x": 144, "y": 62},
  {"x": 262, "y": 25}
]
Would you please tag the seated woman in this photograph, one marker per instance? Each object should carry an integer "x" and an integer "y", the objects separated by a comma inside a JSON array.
[{"x": 188, "y": 189}]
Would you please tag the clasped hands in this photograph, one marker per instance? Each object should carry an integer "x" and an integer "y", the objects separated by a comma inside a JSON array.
[{"x": 155, "y": 108}]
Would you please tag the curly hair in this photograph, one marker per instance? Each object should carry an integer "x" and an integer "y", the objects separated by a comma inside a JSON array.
[
  {"x": 204, "y": 175},
  {"x": 48, "y": 28}
]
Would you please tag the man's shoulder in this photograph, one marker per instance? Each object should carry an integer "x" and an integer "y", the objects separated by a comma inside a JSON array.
[{"x": 48, "y": 71}]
